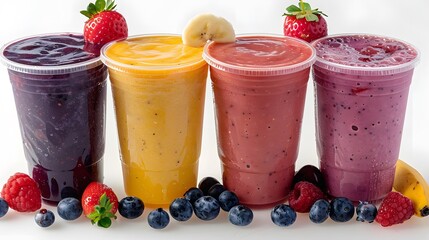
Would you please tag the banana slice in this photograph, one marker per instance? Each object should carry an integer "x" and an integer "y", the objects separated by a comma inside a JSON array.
[{"x": 205, "y": 27}]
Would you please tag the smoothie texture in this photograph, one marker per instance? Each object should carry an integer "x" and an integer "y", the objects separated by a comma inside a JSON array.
[
  {"x": 361, "y": 88},
  {"x": 259, "y": 85},
  {"x": 60, "y": 92},
  {"x": 158, "y": 87}
]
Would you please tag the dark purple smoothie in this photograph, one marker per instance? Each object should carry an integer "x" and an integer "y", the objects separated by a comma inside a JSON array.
[{"x": 60, "y": 97}]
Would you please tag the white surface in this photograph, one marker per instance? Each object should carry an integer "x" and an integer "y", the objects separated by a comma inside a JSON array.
[{"x": 396, "y": 18}]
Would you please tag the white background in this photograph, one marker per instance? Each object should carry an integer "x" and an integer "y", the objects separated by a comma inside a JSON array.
[{"x": 401, "y": 19}]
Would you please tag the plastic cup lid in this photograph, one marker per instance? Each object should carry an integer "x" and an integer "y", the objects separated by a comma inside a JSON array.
[
  {"x": 365, "y": 70},
  {"x": 266, "y": 70},
  {"x": 47, "y": 70}
]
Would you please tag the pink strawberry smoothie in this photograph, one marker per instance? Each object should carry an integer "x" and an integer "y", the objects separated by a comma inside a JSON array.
[
  {"x": 259, "y": 85},
  {"x": 361, "y": 89}
]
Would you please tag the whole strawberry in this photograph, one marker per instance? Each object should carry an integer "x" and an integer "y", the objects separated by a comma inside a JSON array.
[
  {"x": 304, "y": 195},
  {"x": 304, "y": 23},
  {"x": 104, "y": 24},
  {"x": 99, "y": 203},
  {"x": 22, "y": 193},
  {"x": 395, "y": 209}
]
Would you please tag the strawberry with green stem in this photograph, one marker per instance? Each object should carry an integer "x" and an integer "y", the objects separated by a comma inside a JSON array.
[
  {"x": 99, "y": 204},
  {"x": 104, "y": 24},
  {"x": 304, "y": 22}
]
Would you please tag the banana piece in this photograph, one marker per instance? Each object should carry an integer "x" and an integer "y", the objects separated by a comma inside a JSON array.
[
  {"x": 207, "y": 27},
  {"x": 411, "y": 184}
]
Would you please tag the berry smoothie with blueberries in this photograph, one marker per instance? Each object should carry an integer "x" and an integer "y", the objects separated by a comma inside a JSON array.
[
  {"x": 259, "y": 85},
  {"x": 361, "y": 87},
  {"x": 60, "y": 92}
]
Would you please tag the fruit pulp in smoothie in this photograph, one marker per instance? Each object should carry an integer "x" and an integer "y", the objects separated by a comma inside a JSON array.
[
  {"x": 61, "y": 116},
  {"x": 360, "y": 114},
  {"x": 259, "y": 115},
  {"x": 159, "y": 102}
]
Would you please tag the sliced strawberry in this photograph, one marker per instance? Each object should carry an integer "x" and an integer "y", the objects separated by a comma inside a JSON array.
[
  {"x": 304, "y": 23},
  {"x": 99, "y": 204},
  {"x": 104, "y": 24}
]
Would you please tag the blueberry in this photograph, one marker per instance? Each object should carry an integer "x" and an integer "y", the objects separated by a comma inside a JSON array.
[
  {"x": 227, "y": 200},
  {"x": 319, "y": 212},
  {"x": 240, "y": 215},
  {"x": 69, "y": 208},
  {"x": 181, "y": 209},
  {"x": 4, "y": 207},
  {"x": 44, "y": 218},
  {"x": 342, "y": 209},
  {"x": 158, "y": 218},
  {"x": 283, "y": 215},
  {"x": 206, "y": 183},
  {"x": 216, "y": 190},
  {"x": 206, "y": 208},
  {"x": 193, "y": 194},
  {"x": 131, "y": 207},
  {"x": 366, "y": 212}
]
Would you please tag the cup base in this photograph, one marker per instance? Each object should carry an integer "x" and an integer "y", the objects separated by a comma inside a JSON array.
[{"x": 260, "y": 190}]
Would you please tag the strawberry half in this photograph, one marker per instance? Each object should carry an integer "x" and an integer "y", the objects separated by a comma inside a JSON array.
[
  {"x": 304, "y": 23},
  {"x": 104, "y": 24},
  {"x": 99, "y": 203}
]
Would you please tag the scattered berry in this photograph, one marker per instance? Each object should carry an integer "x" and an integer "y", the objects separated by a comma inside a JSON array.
[
  {"x": 158, "y": 219},
  {"x": 227, "y": 200},
  {"x": 181, "y": 209},
  {"x": 22, "y": 193},
  {"x": 193, "y": 194},
  {"x": 304, "y": 195},
  {"x": 44, "y": 218},
  {"x": 104, "y": 24},
  {"x": 240, "y": 215},
  {"x": 206, "y": 208},
  {"x": 216, "y": 190},
  {"x": 366, "y": 212},
  {"x": 342, "y": 209},
  {"x": 69, "y": 209},
  {"x": 312, "y": 174},
  {"x": 304, "y": 23},
  {"x": 4, "y": 207},
  {"x": 283, "y": 215},
  {"x": 394, "y": 209},
  {"x": 206, "y": 183},
  {"x": 319, "y": 212},
  {"x": 131, "y": 207},
  {"x": 99, "y": 204}
]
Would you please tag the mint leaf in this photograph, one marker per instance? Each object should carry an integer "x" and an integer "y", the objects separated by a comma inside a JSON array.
[
  {"x": 306, "y": 6},
  {"x": 292, "y": 9}
]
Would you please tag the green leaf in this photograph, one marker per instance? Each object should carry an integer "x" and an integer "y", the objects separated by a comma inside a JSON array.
[
  {"x": 111, "y": 6},
  {"x": 86, "y": 13},
  {"x": 92, "y": 9},
  {"x": 305, "y": 6},
  {"x": 104, "y": 222},
  {"x": 293, "y": 9},
  {"x": 100, "y": 5},
  {"x": 311, "y": 17}
]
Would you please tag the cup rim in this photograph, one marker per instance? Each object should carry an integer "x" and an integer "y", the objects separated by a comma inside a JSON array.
[
  {"x": 47, "y": 70},
  {"x": 123, "y": 67},
  {"x": 266, "y": 70},
  {"x": 365, "y": 71}
]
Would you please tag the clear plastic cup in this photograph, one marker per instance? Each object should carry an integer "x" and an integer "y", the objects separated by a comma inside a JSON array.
[
  {"x": 259, "y": 85},
  {"x": 361, "y": 86},
  {"x": 158, "y": 87},
  {"x": 60, "y": 98}
]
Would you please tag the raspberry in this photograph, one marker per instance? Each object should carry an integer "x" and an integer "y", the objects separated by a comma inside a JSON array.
[
  {"x": 304, "y": 195},
  {"x": 395, "y": 209},
  {"x": 21, "y": 193}
]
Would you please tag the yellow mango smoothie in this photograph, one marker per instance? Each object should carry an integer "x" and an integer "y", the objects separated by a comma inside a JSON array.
[{"x": 158, "y": 87}]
